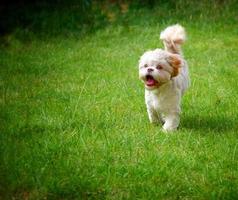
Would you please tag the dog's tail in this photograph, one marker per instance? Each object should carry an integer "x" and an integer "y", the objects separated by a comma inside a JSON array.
[{"x": 173, "y": 37}]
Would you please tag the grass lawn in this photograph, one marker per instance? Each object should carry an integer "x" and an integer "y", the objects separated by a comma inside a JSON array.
[{"x": 74, "y": 125}]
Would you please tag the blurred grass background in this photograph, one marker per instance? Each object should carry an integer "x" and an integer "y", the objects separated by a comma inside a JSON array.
[
  {"x": 73, "y": 122},
  {"x": 51, "y": 18}
]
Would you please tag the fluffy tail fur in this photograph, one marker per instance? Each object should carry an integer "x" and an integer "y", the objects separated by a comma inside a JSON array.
[{"x": 173, "y": 37}]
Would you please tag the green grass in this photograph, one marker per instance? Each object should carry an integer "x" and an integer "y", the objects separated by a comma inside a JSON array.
[{"x": 74, "y": 124}]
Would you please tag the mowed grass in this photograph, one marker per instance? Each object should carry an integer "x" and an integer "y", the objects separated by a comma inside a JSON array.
[{"x": 74, "y": 123}]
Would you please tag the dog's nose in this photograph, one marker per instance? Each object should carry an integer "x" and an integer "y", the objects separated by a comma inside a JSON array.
[{"x": 150, "y": 70}]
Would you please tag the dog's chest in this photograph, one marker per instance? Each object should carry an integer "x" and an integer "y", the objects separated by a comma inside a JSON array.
[
  {"x": 155, "y": 101},
  {"x": 161, "y": 101}
]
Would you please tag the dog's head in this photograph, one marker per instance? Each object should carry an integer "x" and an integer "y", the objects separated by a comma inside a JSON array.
[{"x": 158, "y": 67}]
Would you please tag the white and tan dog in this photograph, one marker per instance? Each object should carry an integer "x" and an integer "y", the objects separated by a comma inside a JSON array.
[{"x": 165, "y": 75}]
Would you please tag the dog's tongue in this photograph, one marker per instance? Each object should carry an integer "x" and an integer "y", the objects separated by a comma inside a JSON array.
[{"x": 150, "y": 81}]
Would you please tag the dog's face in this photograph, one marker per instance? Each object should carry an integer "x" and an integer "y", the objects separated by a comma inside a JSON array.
[{"x": 158, "y": 67}]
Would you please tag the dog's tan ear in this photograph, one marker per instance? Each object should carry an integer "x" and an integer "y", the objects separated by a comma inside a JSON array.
[{"x": 176, "y": 62}]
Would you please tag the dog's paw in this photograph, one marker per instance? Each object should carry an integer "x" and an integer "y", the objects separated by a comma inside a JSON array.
[{"x": 168, "y": 129}]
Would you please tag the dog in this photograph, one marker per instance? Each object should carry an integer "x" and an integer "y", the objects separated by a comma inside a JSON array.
[{"x": 165, "y": 75}]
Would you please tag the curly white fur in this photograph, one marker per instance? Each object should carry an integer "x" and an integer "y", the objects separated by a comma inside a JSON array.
[
  {"x": 166, "y": 78},
  {"x": 173, "y": 37}
]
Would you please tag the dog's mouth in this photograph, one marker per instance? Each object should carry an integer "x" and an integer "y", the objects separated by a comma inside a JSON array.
[{"x": 150, "y": 81}]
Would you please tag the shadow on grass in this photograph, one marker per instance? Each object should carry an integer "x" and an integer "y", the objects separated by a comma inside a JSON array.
[{"x": 218, "y": 124}]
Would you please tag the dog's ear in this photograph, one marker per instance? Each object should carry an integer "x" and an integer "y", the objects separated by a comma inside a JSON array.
[{"x": 175, "y": 61}]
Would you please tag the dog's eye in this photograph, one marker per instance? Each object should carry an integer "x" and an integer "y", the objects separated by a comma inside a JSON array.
[
  {"x": 145, "y": 65},
  {"x": 159, "y": 67}
]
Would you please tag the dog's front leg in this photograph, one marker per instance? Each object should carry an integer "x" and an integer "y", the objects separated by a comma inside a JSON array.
[
  {"x": 171, "y": 122},
  {"x": 153, "y": 115}
]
